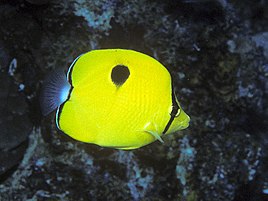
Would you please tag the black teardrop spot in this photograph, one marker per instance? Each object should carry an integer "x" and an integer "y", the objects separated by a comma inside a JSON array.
[{"x": 120, "y": 74}]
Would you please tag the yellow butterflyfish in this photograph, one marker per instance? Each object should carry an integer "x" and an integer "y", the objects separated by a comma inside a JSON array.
[{"x": 114, "y": 98}]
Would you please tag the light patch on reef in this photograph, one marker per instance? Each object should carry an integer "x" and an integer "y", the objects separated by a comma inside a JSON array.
[
  {"x": 21, "y": 87},
  {"x": 137, "y": 184},
  {"x": 252, "y": 168},
  {"x": 184, "y": 164},
  {"x": 12, "y": 67},
  {"x": 97, "y": 14}
]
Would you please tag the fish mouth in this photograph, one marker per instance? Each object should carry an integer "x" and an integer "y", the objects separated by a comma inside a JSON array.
[
  {"x": 185, "y": 122},
  {"x": 183, "y": 126}
]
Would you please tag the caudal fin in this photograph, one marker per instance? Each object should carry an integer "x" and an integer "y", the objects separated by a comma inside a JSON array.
[{"x": 54, "y": 92}]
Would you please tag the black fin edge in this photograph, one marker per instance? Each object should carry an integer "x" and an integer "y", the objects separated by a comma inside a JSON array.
[{"x": 69, "y": 77}]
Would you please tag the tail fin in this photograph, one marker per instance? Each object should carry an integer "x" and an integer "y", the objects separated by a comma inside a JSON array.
[{"x": 54, "y": 92}]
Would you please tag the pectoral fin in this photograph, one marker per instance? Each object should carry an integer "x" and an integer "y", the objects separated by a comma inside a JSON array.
[
  {"x": 151, "y": 128},
  {"x": 156, "y": 135}
]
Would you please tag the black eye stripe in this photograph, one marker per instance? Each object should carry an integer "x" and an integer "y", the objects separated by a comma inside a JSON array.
[
  {"x": 120, "y": 74},
  {"x": 175, "y": 108}
]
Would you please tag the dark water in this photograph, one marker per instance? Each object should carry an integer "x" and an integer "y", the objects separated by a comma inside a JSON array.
[{"x": 217, "y": 52}]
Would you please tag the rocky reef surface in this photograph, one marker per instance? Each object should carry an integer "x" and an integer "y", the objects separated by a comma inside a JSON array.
[{"x": 217, "y": 51}]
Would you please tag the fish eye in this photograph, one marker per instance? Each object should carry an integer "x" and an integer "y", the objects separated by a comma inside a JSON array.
[{"x": 120, "y": 74}]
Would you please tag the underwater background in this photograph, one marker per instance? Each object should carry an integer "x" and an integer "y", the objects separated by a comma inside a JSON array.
[{"x": 217, "y": 51}]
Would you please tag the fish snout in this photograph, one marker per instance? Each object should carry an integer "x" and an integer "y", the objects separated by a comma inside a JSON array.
[{"x": 180, "y": 122}]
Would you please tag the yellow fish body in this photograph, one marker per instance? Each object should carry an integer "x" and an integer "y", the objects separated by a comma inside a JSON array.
[{"x": 115, "y": 98}]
